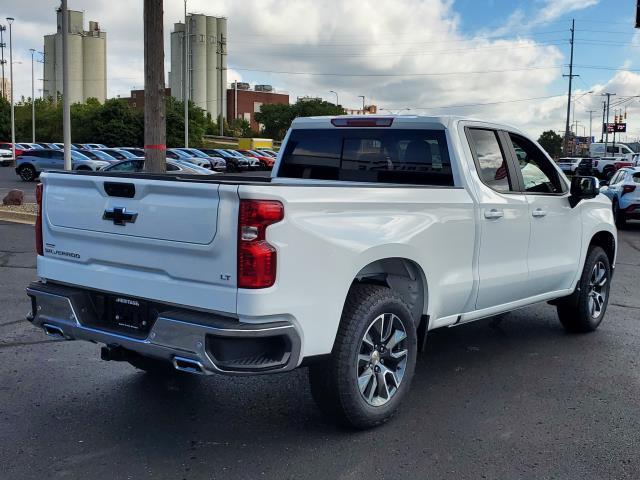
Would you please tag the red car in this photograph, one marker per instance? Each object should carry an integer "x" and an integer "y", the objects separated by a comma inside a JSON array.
[
  {"x": 265, "y": 160},
  {"x": 7, "y": 146}
]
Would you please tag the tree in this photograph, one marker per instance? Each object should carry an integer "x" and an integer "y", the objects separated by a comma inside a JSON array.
[
  {"x": 551, "y": 142},
  {"x": 277, "y": 118},
  {"x": 199, "y": 123}
]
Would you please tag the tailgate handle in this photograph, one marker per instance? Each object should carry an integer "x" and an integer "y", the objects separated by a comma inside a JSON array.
[{"x": 116, "y": 189}]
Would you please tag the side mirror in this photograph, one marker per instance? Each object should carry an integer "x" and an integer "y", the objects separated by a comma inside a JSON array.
[{"x": 583, "y": 188}]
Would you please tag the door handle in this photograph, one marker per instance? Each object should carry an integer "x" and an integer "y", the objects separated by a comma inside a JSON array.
[
  {"x": 493, "y": 214},
  {"x": 538, "y": 213}
]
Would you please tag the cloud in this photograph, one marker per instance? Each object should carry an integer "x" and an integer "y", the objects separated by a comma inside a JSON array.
[
  {"x": 552, "y": 9},
  {"x": 400, "y": 53}
]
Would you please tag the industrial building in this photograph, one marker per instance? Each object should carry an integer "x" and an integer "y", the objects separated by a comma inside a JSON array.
[
  {"x": 242, "y": 102},
  {"x": 5, "y": 89},
  {"x": 87, "y": 60},
  {"x": 136, "y": 100},
  {"x": 206, "y": 62}
]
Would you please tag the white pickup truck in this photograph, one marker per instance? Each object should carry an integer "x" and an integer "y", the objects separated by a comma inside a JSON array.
[{"x": 371, "y": 232}]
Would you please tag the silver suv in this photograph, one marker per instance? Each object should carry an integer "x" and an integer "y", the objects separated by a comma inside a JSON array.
[{"x": 31, "y": 163}]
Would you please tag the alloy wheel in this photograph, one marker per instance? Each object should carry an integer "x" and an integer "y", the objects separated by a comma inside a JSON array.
[
  {"x": 597, "y": 291},
  {"x": 382, "y": 359}
]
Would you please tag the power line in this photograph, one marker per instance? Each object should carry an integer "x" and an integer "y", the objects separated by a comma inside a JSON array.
[
  {"x": 430, "y": 74},
  {"x": 499, "y": 102}
]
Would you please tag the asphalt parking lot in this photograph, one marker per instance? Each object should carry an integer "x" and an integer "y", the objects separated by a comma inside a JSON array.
[
  {"x": 10, "y": 181},
  {"x": 512, "y": 399}
]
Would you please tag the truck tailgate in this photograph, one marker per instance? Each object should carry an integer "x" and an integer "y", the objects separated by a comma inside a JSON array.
[{"x": 161, "y": 239}]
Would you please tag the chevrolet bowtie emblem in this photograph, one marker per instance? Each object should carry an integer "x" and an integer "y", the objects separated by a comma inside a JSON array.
[{"x": 119, "y": 216}]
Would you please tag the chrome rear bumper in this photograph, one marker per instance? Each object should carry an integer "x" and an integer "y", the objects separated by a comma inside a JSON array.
[{"x": 216, "y": 344}]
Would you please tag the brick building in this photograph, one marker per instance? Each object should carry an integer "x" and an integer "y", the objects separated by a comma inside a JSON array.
[
  {"x": 249, "y": 102},
  {"x": 136, "y": 100}
]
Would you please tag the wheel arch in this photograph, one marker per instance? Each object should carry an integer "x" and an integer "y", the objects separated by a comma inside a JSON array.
[
  {"x": 403, "y": 275},
  {"x": 607, "y": 241}
]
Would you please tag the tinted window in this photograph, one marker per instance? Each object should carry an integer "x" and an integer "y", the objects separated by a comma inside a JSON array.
[
  {"x": 492, "y": 164},
  {"x": 127, "y": 166},
  {"x": 90, "y": 154},
  {"x": 538, "y": 173},
  {"x": 116, "y": 154},
  {"x": 419, "y": 157}
]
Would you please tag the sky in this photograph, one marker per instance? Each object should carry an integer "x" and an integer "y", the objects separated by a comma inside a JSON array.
[{"x": 499, "y": 60}]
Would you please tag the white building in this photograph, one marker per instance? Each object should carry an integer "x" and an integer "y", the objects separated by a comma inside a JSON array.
[
  {"x": 206, "y": 63},
  {"x": 87, "y": 60}
]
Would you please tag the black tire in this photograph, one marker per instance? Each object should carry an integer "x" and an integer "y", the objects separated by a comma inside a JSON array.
[
  {"x": 27, "y": 173},
  {"x": 618, "y": 215},
  {"x": 335, "y": 382},
  {"x": 576, "y": 312},
  {"x": 152, "y": 366}
]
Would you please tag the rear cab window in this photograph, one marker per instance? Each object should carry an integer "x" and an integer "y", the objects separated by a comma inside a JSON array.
[{"x": 375, "y": 155}]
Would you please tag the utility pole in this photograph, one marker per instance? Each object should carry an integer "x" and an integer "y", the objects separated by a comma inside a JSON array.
[
  {"x": 571, "y": 75},
  {"x": 2, "y": 60},
  {"x": 604, "y": 112},
  {"x": 33, "y": 100},
  {"x": 185, "y": 77},
  {"x": 590, "y": 124},
  {"x": 66, "y": 93},
  {"x": 606, "y": 125},
  {"x": 13, "y": 113},
  {"x": 155, "y": 127}
]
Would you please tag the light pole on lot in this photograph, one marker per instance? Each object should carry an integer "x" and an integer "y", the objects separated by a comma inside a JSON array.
[
  {"x": 362, "y": 97},
  {"x": 185, "y": 72},
  {"x": 336, "y": 94},
  {"x": 13, "y": 113},
  {"x": 66, "y": 92},
  {"x": 33, "y": 101}
]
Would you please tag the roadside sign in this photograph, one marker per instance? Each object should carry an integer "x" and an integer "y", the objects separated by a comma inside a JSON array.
[{"x": 614, "y": 127}]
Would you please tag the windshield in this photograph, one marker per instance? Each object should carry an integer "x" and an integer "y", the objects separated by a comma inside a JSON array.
[
  {"x": 102, "y": 155},
  {"x": 197, "y": 152},
  {"x": 181, "y": 154},
  {"x": 120, "y": 154},
  {"x": 76, "y": 155}
]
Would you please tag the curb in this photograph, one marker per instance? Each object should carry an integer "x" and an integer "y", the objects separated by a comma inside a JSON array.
[{"x": 18, "y": 217}]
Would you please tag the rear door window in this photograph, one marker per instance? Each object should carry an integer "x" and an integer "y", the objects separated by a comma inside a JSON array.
[
  {"x": 491, "y": 161},
  {"x": 419, "y": 157}
]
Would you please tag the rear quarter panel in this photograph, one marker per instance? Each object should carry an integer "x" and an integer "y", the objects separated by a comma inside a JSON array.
[{"x": 331, "y": 232}]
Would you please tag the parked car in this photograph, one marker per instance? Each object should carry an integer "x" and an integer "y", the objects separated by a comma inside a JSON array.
[
  {"x": 177, "y": 154},
  {"x": 95, "y": 154},
  {"x": 576, "y": 165},
  {"x": 266, "y": 161},
  {"x": 6, "y": 157},
  {"x": 138, "y": 152},
  {"x": 270, "y": 153},
  {"x": 60, "y": 146},
  {"x": 9, "y": 146},
  {"x": 624, "y": 191},
  {"x": 174, "y": 166},
  {"x": 370, "y": 232},
  {"x": 49, "y": 146},
  {"x": 218, "y": 164},
  {"x": 605, "y": 167},
  {"x": 117, "y": 153},
  {"x": 32, "y": 146},
  {"x": 234, "y": 163},
  {"x": 30, "y": 164},
  {"x": 94, "y": 145}
]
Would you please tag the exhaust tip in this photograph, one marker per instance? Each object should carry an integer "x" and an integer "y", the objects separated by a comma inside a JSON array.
[
  {"x": 53, "y": 331},
  {"x": 187, "y": 365}
]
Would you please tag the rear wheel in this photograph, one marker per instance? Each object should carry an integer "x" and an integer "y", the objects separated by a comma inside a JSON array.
[
  {"x": 373, "y": 359},
  {"x": 27, "y": 173},
  {"x": 584, "y": 310}
]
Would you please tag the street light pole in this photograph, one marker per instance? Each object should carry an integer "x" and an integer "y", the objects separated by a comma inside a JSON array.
[
  {"x": 336, "y": 94},
  {"x": 2, "y": 60},
  {"x": 362, "y": 97},
  {"x": 13, "y": 113},
  {"x": 33, "y": 101},
  {"x": 66, "y": 92},
  {"x": 185, "y": 72},
  {"x": 606, "y": 127}
]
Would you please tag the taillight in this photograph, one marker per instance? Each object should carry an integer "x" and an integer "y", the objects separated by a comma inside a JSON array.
[
  {"x": 39, "y": 245},
  {"x": 256, "y": 257},
  {"x": 628, "y": 189}
]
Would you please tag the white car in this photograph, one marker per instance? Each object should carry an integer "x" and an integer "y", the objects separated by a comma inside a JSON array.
[
  {"x": 370, "y": 232},
  {"x": 6, "y": 157}
]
